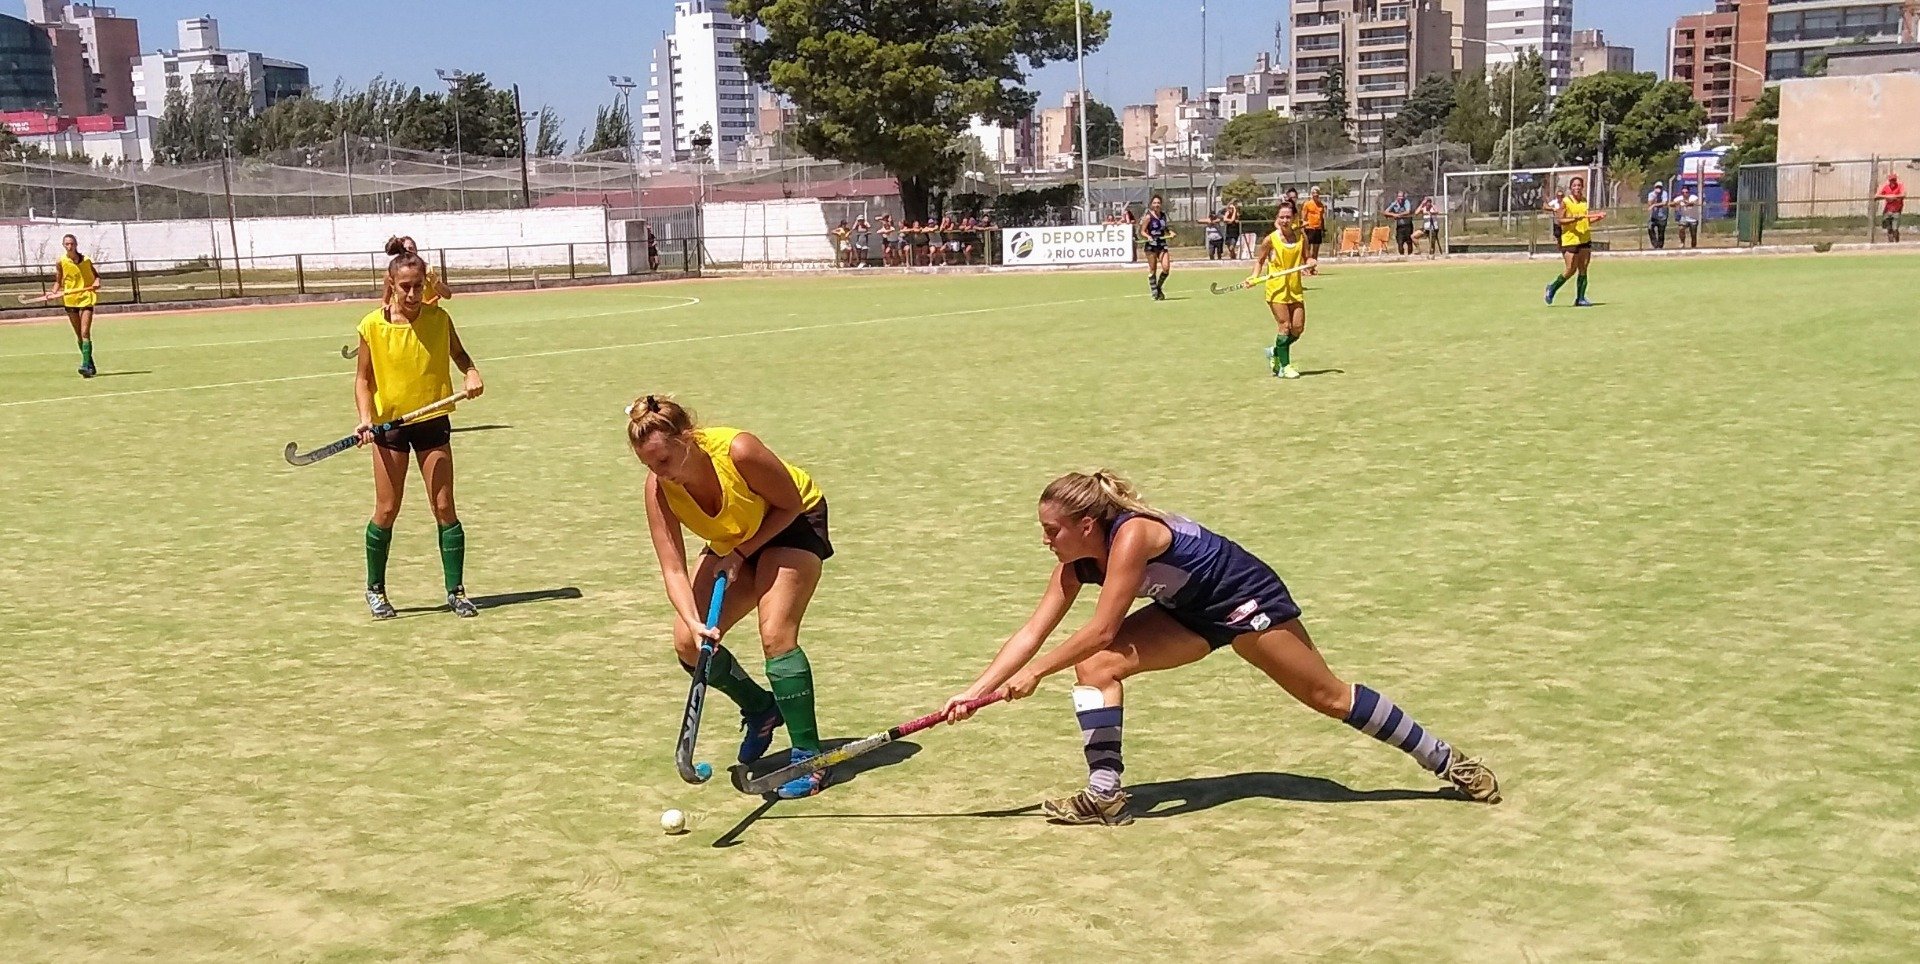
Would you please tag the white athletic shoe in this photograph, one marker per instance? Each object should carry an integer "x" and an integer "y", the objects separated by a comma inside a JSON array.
[{"x": 1288, "y": 372}]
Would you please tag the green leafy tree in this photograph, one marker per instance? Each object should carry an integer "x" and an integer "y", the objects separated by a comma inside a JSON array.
[
  {"x": 1664, "y": 118},
  {"x": 896, "y": 83},
  {"x": 218, "y": 117},
  {"x": 1335, "y": 108},
  {"x": 548, "y": 141},
  {"x": 1243, "y": 190},
  {"x": 1103, "y": 129},
  {"x": 1425, "y": 111},
  {"x": 1525, "y": 85},
  {"x": 1758, "y": 134},
  {"x": 1532, "y": 147},
  {"x": 1604, "y": 98},
  {"x": 296, "y": 122},
  {"x": 610, "y": 128},
  {"x": 9, "y": 143},
  {"x": 1472, "y": 121},
  {"x": 1266, "y": 135},
  {"x": 703, "y": 144}
]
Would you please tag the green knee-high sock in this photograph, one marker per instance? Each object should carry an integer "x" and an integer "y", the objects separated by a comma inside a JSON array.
[
  {"x": 1282, "y": 351},
  {"x": 792, "y": 679},
  {"x": 1580, "y": 287},
  {"x": 86, "y": 352},
  {"x": 1557, "y": 283},
  {"x": 453, "y": 555},
  {"x": 379, "y": 541},
  {"x": 725, "y": 674}
]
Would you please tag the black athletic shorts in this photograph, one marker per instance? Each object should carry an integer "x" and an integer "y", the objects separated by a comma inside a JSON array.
[
  {"x": 419, "y": 437},
  {"x": 808, "y": 533},
  {"x": 1577, "y": 248},
  {"x": 1316, "y": 236},
  {"x": 1403, "y": 229}
]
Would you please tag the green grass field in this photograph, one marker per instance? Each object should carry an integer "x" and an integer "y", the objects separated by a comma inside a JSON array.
[{"x": 1656, "y": 561}]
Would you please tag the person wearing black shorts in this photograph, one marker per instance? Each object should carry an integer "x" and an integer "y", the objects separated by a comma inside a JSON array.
[
  {"x": 1156, "y": 231},
  {"x": 407, "y": 348},
  {"x": 1205, "y": 593},
  {"x": 765, "y": 523}
]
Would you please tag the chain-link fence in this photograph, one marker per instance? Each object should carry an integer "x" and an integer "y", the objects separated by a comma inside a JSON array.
[{"x": 331, "y": 272}]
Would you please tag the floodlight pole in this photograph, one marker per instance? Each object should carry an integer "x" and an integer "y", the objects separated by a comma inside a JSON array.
[
  {"x": 1080, "y": 67},
  {"x": 526, "y": 186},
  {"x": 453, "y": 79},
  {"x": 625, "y": 86}
]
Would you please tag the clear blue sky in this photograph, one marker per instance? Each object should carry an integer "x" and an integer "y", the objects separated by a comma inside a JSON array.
[{"x": 560, "y": 53}]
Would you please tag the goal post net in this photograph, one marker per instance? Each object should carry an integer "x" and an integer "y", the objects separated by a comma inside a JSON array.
[{"x": 1503, "y": 210}]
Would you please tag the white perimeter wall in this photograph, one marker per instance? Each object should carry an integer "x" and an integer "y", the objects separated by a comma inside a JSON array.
[{"x": 472, "y": 239}]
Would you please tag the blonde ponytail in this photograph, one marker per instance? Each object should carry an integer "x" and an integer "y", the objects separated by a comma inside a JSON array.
[{"x": 1103, "y": 496}]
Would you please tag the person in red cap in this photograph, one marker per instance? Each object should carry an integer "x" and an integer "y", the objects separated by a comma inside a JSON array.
[{"x": 1893, "y": 201}]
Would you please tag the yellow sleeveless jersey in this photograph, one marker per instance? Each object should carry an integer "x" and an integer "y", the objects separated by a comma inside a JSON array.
[
  {"x": 1579, "y": 232},
  {"x": 741, "y": 509},
  {"x": 412, "y": 364},
  {"x": 75, "y": 279},
  {"x": 1291, "y": 289}
]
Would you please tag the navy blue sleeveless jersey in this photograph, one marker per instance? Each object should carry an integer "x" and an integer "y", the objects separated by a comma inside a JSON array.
[
  {"x": 1156, "y": 232},
  {"x": 1206, "y": 582}
]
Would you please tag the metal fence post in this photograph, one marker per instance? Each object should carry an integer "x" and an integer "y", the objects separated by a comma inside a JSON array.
[
  {"x": 509, "y": 250},
  {"x": 443, "y": 269},
  {"x": 572, "y": 266},
  {"x": 133, "y": 275},
  {"x": 299, "y": 274}
]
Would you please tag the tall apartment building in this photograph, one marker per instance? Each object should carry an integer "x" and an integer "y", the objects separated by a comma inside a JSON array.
[
  {"x": 1700, "y": 54},
  {"x": 1593, "y": 55},
  {"x": 696, "y": 81},
  {"x": 1730, "y": 54},
  {"x": 1799, "y": 31},
  {"x": 1469, "y": 33},
  {"x": 201, "y": 60},
  {"x": 1383, "y": 47},
  {"x": 94, "y": 50},
  {"x": 1543, "y": 26},
  {"x": 26, "y": 66}
]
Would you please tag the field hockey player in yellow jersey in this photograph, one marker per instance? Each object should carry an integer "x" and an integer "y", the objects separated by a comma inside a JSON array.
[
  {"x": 79, "y": 287},
  {"x": 1284, "y": 251},
  {"x": 1574, "y": 218},
  {"x": 437, "y": 290},
  {"x": 407, "y": 350},
  {"x": 765, "y": 523}
]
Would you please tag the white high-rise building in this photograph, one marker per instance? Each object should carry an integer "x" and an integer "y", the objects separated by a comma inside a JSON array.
[
  {"x": 1544, "y": 26},
  {"x": 697, "y": 81},
  {"x": 201, "y": 60}
]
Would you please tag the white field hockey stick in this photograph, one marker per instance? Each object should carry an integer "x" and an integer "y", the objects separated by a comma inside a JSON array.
[
  {"x": 295, "y": 457},
  {"x": 40, "y": 299},
  {"x": 1263, "y": 279},
  {"x": 349, "y": 351}
]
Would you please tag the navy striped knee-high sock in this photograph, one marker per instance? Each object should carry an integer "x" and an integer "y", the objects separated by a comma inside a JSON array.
[
  {"x": 1377, "y": 717},
  {"x": 1100, "y": 735}
]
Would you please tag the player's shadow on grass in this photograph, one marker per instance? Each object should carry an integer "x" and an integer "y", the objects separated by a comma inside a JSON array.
[
  {"x": 477, "y": 428},
  {"x": 498, "y": 600},
  {"x": 893, "y": 753},
  {"x": 1151, "y": 800},
  {"x": 1322, "y": 371},
  {"x": 145, "y": 371}
]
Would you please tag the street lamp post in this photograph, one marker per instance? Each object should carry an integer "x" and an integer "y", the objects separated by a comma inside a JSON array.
[
  {"x": 1513, "y": 88},
  {"x": 453, "y": 79}
]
